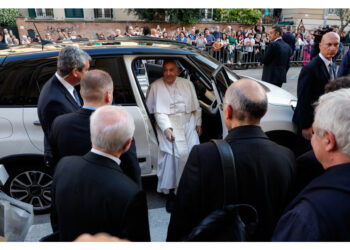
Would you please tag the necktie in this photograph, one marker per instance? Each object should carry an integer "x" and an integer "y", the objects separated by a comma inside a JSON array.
[
  {"x": 76, "y": 97},
  {"x": 331, "y": 71}
]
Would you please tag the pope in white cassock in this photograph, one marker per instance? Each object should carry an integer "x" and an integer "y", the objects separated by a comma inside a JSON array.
[{"x": 174, "y": 103}]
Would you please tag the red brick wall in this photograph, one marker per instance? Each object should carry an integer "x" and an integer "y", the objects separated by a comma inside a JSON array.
[{"x": 89, "y": 29}]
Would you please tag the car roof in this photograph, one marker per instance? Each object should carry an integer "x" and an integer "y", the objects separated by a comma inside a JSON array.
[{"x": 134, "y": 45}]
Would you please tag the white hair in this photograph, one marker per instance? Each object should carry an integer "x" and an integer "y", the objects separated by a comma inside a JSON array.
[
  {"x": 111, "y": 127},
  {"x": 332, "y": 114}
]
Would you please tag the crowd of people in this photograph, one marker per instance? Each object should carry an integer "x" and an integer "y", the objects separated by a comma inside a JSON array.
[{"x": 245, "y": 45}]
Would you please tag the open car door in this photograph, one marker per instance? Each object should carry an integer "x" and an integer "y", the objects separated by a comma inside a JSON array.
[{"x": 220, "y": 82}]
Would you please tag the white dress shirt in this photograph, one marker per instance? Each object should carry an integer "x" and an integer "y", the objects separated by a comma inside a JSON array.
[
  {"x": 66, "y": 84},
  {"x": 326, "y": 62}
]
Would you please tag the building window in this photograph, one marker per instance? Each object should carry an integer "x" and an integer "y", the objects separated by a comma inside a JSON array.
[
  {"x": 44, "y": 13},
  {"x": 74, "y": 13},
  {"x": 103, "y": 13},
  {"x": 332, "y": 11}
]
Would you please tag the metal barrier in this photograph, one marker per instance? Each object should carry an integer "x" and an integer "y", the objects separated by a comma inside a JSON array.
[{"x": 241, "y": 56}]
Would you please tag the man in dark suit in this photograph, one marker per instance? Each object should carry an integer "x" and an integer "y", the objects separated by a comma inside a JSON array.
[
  {"x": 289, "y": 38},
  {"x": 276, "y": 59},
  {"x": 308, "y": 167},
  {"x": 70, "y": 133},
  {"x": 91, "y": 194},
  {"x": 321, "y": 212},
  {"x": 265, "y": 169},
  {"x": 58, "y": 95},
  {"x": 311, "y": 83}
]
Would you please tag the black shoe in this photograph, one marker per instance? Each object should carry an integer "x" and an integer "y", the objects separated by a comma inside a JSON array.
[{"x": 170, "y": 203}]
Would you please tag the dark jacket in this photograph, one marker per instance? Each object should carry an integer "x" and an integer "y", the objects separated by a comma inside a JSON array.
[
  {"x": 276, "y": 62},
  {"x": 70, "y": 135},
  {"x": 321, "y": 212},
  {"x": 307, "y": 169},
  {"x": 265, "y": 173},
  {"x": 289, "y": 39},
  {"x": 54, "y": 100},
  {"x": 344, "y": 68},
  {"x": 311, "y": 82},
  {"x": 91, "y": 194}
]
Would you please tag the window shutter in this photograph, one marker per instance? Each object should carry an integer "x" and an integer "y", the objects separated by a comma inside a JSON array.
[{"x": 32, "y": 13}]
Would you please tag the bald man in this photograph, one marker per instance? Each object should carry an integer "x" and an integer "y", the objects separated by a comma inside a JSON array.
[
  {"x": 312, "y": 80},
  {"x": 265, "y": 170}
]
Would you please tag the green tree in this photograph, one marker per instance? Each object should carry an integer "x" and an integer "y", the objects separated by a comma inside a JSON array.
[
  {"x": 185, "y": 16},
  {"x": 344, "y": 15},
  {"x": 8, "y": 17},
  {"x": 243, "y": 16}
]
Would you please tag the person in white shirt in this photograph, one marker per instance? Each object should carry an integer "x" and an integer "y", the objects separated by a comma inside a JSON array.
[
  {"x": 174, "y": 103},
  {"x": 248, "y": 47}
]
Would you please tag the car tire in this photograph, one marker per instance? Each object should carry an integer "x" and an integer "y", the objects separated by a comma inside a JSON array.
[{"x": 31, "y": 185}]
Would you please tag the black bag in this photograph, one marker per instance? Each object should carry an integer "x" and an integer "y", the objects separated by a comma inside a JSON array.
[{"x": 225, "y": 224}]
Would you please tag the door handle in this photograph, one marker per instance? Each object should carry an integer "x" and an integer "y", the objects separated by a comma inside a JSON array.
[{"x": 37, "y": 123}]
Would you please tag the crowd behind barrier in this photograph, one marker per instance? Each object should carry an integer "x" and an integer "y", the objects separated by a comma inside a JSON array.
[
  {"x": 241, "y": 48},
  {"x": 238, "y": 55}
]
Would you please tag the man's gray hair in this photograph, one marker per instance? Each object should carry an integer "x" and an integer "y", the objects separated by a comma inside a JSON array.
[
  {"x": 111, "y": 127},
  {"x": 243, "y": 106},
  {"x": 69, "y": 58},
  {"x": 95, "y": 84},
  {"x": 332, "y": 114}
]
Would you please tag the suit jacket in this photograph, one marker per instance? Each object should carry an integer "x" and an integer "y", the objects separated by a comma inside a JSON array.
[
  {"x": 54, "y": 100},
  {"x": 311, "y": 82},
  {"x": 276, "y": 62},
  {"x": 344, "y": 68},
  {"x": 307, "y": 169},
  {"x": 70, "y": 135},
  {"x": 321, "y": 212},
  {"x": 289, "y": 39},
  {"x": 265, "y": 173},
  {"x": 91, "y": 194}
]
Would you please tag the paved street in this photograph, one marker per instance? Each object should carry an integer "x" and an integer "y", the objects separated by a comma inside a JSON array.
[{"x": 158, "y": 217}]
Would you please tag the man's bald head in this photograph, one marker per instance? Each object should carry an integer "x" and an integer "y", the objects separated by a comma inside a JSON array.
[
  {"x": 247, "y": 100},
  {"x": 94, "y": 86},
  {"x": 329, "y": 45}
]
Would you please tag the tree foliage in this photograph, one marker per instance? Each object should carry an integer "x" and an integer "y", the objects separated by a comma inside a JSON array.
[
  {"x": 243, "y": 16},
  {"x": 185, "y": 16},
  {"x": 344, "y": 15},
  {"x": 8, "y": 17}
]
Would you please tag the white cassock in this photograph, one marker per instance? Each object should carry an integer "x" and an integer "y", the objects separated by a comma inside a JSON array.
[{"x": 174, "y": 106}]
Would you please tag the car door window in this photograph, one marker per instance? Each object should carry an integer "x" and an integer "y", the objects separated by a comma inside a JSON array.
[
  {"x": 122, "y": 94},
  {"x": 222, "y": 81},
  {"x": 18, "y": 84}
]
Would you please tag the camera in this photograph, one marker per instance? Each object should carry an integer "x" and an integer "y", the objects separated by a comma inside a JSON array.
[{"x": 318, "y": 34}]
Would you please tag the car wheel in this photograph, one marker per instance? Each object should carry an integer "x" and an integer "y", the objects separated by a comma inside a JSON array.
[{"x": 31, "y": 185}]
